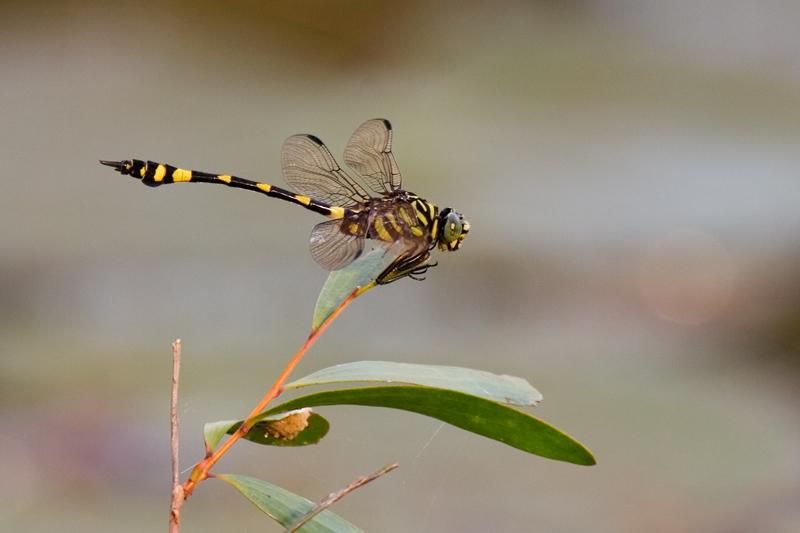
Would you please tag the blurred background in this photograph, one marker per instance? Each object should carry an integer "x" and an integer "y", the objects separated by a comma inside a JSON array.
[{"x": 630, "y": 171}]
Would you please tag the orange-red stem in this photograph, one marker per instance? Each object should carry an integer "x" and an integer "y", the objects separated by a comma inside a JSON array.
[{"x": 201, "y": 471}]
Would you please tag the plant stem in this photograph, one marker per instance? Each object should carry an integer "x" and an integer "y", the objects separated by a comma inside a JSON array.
[
  {"x": 177, "y": 490},
  {"x": 201, "y": 471},
  {"x": 338, "y": 495}
]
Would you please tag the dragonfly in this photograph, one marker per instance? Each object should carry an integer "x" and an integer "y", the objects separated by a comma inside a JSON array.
[{"x": 367, "y": 205}]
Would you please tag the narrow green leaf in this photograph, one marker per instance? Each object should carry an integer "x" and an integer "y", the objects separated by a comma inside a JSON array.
[
  {"x": 498, "y": 388},
  {"x": 317, "y": 428},
  {"x": 214, "y": 431},
  {"x": 472, "y": 413},
  {"x": 358, "y": 275},
  {"x": 286, "y": 507}
]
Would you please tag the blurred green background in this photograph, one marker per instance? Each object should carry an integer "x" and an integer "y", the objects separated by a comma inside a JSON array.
[{"x": 631, "y": 174}]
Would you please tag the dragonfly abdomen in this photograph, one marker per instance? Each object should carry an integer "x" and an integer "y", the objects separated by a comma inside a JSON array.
[{"x": 154, "y": 174}]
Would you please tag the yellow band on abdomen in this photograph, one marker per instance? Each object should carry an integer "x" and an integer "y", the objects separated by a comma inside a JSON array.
[
  {"x": 160, "y": 172},
  {"x": 181, "y": 174}
]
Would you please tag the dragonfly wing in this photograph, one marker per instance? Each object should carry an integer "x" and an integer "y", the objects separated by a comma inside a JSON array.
[
  {"x": 331, "y": 248},
  {"x": 369, "y": 152},
  {"x": 310, "y": 169}
]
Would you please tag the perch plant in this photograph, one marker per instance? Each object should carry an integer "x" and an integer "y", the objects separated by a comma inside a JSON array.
[{"x": 404, "y": 228}]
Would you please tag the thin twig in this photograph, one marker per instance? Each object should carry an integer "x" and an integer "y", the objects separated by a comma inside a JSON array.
[
  {"x": 334, "y": 497},
  {"x": 201, "y": 471},
  {"x": 177, "y": 489}
]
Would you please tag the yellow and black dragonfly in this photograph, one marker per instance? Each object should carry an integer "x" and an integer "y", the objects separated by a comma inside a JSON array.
[{"x": 373, "y": 206}]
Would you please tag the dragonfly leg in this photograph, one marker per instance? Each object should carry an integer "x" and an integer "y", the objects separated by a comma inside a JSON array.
[
  {"x": 412, "y": 267},
  {"x": 416, "y": 273}
]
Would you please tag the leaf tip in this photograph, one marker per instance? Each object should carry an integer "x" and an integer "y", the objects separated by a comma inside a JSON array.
[{"x": 583, "y": 456}]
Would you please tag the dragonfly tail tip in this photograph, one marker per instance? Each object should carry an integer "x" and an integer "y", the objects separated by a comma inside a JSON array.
[{"x": 119, "y": 166}]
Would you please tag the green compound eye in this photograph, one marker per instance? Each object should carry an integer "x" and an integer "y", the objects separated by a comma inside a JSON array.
[{"x": 452, "y": 227}]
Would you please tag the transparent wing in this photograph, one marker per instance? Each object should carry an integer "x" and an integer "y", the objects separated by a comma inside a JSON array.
[
  {"x": 310, "y": 169},
  {"x": 331, "y": 248},
  {"x": 369, "y": 152}
]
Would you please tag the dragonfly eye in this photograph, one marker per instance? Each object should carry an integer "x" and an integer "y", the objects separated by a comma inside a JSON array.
[
  {"x": 452, "y": 227},
  {"x": 453, "y": 230}
]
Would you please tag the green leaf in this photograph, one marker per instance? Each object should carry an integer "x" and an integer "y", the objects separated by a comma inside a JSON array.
[
  {"x": 360, "y": 275},
  {"x": 498, "y": 388},
  {"x": 214, "y": 431},
  {"x": 317, "y": 428},
  {"x": 285, "y": 507},
  {"x": 478, "y": 415}
]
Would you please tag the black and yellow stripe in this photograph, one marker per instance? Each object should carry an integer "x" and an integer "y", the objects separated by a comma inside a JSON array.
[
  {"x": 427, "y": 214},
  {"x": 154, "y": 174}
]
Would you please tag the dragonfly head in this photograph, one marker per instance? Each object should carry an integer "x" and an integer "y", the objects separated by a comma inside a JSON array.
[{"x": 453, "y": 228}]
